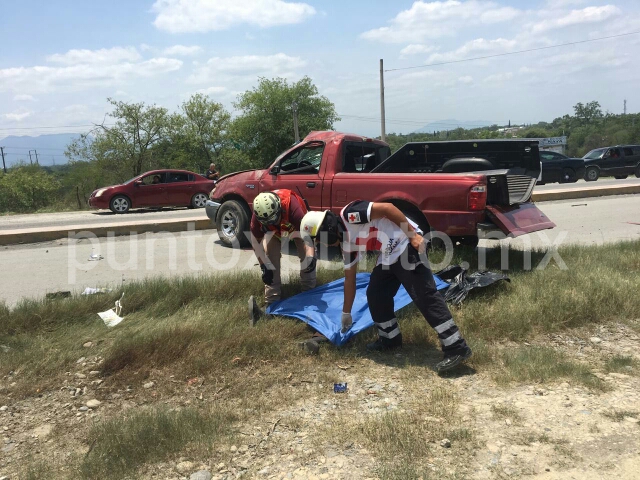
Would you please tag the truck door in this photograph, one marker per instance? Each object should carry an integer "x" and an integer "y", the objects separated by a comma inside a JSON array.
[{"x": 299, "y": 171}]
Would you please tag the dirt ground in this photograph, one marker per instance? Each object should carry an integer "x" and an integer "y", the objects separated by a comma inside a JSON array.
[{"x": 552, "y": 431}]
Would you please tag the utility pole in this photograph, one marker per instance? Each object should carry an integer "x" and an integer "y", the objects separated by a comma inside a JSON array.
[
  {"x": 625, "y": 107},
  {"x": 383, "y": 134},
  {"x": 37, "y": 162},
  {"x": 30, "y": 159},
  {"x": 4, "y": 166},
  {"x": 294, "y": 107}
]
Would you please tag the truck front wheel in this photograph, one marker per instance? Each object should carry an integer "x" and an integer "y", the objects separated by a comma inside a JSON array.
[{"x": 232, "y": 223}]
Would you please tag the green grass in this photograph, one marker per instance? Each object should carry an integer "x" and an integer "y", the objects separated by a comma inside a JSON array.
[
  {"x": 121, "y": 445},
  {"x": 618, "y": 415},
  {"x": 543, "y": 365},
  {"x": 198, "y": 327},
  {"x": 505, "y": 411},
  {"x": 621, "y": 364}
]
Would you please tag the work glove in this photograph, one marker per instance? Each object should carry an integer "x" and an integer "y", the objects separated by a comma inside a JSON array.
[
  {"x": 311, "y": 264},
  {"x": 346, "y": 322},
  {"x": 267, "y": 275}
]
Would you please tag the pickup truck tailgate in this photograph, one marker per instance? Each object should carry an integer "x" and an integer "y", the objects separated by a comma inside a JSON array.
[{"x": 515, "y": 220}]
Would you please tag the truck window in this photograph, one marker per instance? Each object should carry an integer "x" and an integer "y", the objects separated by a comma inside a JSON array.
[
  {"x": 303, "y": 160},
  {"x": 628, "y": 151},
  {"x": 363, "y": 157}
]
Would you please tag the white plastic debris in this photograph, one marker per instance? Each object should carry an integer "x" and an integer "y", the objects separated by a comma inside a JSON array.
[
  {"x": 112, "y": 316},
  {"x": 94, "y": 257},
  {"x": 93, "y": 290}
]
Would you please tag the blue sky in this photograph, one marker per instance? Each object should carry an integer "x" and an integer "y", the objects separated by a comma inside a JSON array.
[{"x": 60, "y": 60}]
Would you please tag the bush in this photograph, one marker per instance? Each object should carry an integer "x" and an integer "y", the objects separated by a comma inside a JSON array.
[{"x": 26, "y": 189}]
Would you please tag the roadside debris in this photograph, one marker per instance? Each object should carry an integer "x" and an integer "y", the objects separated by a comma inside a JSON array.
[
  {"x": 61, "y": 294},
  {"x": 94, "y": 257},
  {"x": 112, "y": 316},
  {"x": 340, "y": 387},
  {"x": 460, "y": 283},
  {"x": 94, "y": 290}
]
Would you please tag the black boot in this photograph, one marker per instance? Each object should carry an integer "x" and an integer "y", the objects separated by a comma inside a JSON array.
[
  {"x": 383, "y": 344},
  {"x": 450, "y": 360}
]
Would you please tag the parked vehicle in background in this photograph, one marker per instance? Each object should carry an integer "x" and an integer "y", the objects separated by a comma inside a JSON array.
[
  {"x": 157, "y": 188},
  {"x": 463, "y": 189},
  {"x": 558, "y": 168},
  {"x": 619, "y": 162}
]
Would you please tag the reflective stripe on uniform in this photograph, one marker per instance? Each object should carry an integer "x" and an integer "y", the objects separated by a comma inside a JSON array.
[
  {"x": 443, "y": 327},
  {"x": 393, "y": 333},
  {"x": 451, "y": 339}
]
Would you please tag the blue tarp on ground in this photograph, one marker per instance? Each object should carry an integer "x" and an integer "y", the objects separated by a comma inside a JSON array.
[{"x": 321, "y": 307}]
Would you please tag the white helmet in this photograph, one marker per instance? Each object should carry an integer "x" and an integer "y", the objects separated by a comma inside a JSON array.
[
  {"x": 311, "y": 222},
  {"x": 267, "y": 208}
]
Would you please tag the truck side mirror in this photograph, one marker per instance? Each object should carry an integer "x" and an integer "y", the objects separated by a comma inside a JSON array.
[{"x": 275, "y": 170}]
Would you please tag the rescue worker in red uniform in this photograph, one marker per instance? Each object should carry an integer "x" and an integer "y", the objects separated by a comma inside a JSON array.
[
  {"x": 276, "y": 219},
  {"x": 367, "y": 226}
]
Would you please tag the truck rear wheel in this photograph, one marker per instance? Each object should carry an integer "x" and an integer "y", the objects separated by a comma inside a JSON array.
[
  {"x": 232, "y": 223},
  {"x": 592, "y": 174}
]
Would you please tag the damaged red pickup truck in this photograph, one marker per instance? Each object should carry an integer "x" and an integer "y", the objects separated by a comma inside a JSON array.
[{"x": 465, "y": 189}]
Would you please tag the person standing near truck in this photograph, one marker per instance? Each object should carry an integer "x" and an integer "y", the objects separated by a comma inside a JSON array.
[
  {"x": 276, "y": 219},
  {"x": 371, "y": 226}
]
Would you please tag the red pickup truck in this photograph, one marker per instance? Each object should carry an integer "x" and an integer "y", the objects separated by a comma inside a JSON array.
[{"x": 464, "y": 189}]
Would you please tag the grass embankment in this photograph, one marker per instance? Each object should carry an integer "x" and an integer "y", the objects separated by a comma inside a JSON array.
[{"x": 198, "y": 327}]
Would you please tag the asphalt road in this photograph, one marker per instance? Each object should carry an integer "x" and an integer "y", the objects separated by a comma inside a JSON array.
[
  {"x": 96, "y": 217},
  {"x": 101, "y": 217},
  {"x": 36, "y": 269}
]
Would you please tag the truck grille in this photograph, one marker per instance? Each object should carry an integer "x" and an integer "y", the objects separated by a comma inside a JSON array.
[{"x": 520, "y": 188}]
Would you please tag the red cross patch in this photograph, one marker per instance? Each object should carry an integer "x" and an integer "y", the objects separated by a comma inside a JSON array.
[{"x": 354, "y": 217}]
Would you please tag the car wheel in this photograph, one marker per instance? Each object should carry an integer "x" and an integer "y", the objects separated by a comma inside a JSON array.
[
  {"x": 120, "y": 204},
  {"x": 232, "y": 222},
  {"x": 569, "y": 175},
  {"x": 620, "y": 177},
  {"x": 199, "y": 200},
  {"x": 591, "y": 174}
]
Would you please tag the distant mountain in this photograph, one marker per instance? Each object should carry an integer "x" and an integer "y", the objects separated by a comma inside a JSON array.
[
  {"x": 452, "y": 124},
  {"x": 50, "y": 148}
]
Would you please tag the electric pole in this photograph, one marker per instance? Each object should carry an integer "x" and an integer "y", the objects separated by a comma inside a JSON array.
[
  {"x": 294, "y": 107},
  {"x": 37, "y": 162},
  {"x": 30, "y": 159},
  {"x": 383, "y": 134},
  {"x": 4, "y": 166},
  {"x": 625, "y": 107}
]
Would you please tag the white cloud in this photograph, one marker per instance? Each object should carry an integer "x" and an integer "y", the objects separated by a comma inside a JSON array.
[
  {"x": 178, "y": 16},
  {"x": 499, "y": 78},
  {"x": 415, "y": 49},
  {"x": 578, "y": 17},
  {"x": 105, "y": 56},
  {"x": 182, "y": 50},
  {"x": 47, "y": 79},
  {"x": 212, "y": 90},
  {"x": 476, "y": 47},
  {"x": 16, "y": 116},
  {"x": 439, "y": 19},
  {"x": 24, "y": 98},
  {"x": 466, "y": 79},
  {"x": 248, "y": 66}
]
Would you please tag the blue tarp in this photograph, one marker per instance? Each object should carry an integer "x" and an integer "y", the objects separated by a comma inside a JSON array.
[{"x": 321, "y": 307}]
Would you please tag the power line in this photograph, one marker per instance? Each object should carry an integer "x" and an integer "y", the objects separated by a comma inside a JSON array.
[
  {"x": 57, "y": 126},
  {"x": 421, "y": 122},
  {"x": 512, "y": 53}
]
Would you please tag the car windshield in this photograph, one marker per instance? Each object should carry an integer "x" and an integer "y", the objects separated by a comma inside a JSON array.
[
  {"x": 595, "y": 153},
  {"x": 131, "y": 180}
]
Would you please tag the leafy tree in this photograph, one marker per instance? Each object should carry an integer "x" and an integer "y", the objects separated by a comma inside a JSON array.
[
  {"x": 585, "y": 114},
  {"x": 264, "y": 128},
  {"x": 124, "y": 148}
]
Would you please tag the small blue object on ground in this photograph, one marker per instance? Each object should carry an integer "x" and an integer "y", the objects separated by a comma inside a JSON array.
[{"x": 340, "y": 387}]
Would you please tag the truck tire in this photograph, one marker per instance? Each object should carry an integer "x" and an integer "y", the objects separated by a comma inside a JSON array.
[
  {"x": 569, "y": 175},
  {"x": 458, "y": 165},
  {"x": 232, "y": 222},
  {"x": 120, "y": 204},
  {"x": 592, "y": 174}
]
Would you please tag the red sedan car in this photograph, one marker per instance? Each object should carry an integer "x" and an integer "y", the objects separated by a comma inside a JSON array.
[{"x": 158, "y": 188}]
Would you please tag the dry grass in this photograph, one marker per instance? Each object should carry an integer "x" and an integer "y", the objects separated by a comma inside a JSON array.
[{"x": 198, "y": 327}]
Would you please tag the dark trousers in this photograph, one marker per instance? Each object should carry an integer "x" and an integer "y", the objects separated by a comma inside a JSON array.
[{"x": 421, "y": 287}]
